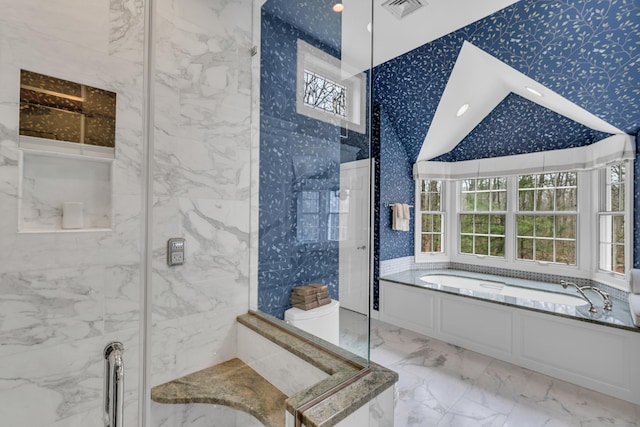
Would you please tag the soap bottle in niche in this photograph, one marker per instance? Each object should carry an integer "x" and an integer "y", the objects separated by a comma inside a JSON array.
[{"x": 72, "y": 215}]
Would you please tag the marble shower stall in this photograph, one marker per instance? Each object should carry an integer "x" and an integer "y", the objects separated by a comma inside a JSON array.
[{"x": 65, "y": 294}]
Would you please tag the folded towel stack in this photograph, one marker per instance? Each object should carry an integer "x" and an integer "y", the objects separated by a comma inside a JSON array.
[
  {"x": 634, "y": 295},
  {"x": 310, "y": 296},
  {"x": 400, "y": 217}
]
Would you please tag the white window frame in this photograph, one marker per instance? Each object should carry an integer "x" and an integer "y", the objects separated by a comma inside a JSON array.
[
  {"x": 587, "y": 231},
  {"x": 605, "y": 276},
  {"x": 444, "y": 242},
  {"x": 319, "y": 62}
]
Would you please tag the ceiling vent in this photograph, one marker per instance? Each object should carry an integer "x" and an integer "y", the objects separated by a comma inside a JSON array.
[{"x": 402, "y": 8}]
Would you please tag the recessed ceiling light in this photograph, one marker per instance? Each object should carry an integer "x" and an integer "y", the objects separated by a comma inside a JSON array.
[
  {"x": 463, "y": 109},
  {"x": 338, "y": 7},
  {"x": 369, "y": 27},
  {"x": 533, "y": 91}
]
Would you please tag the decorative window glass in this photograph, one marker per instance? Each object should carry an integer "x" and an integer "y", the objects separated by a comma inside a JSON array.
[
  {"x": 325, "y": 93},
  {"x": 546, "y": 222},
  {"x": 483, "y": 205},
  {"x": 432, "y": 216},
  {"x": 612, "y": 219}
]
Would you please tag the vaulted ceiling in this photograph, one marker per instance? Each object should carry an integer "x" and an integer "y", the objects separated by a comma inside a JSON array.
[{"x": 586, "y": 51}]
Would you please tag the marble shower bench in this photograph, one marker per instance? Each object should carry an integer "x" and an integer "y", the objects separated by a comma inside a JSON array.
[{"x": 277, "y": 371}]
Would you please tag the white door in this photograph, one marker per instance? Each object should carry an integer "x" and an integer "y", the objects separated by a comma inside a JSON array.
[{"x": 354, "y": 236}]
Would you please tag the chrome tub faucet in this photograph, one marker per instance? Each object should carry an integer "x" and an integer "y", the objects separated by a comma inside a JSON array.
[{"x": 605, "y": 296}]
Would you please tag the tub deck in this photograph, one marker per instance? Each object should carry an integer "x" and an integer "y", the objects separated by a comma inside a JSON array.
[{"x": 619, "y": 317}]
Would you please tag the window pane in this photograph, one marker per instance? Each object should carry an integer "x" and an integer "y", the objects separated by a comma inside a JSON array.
[
  {"x": 544, "y": 250},
  {"x": 526, "y": 181},
  {"x": 482, "y": 245},
  {"x": 544, "y": 226},
  {"x": 566, "y": 227},
  {"x": 525, "y": 200},
  {"x": 434, "y": 201},
  {"x": 427, "y": 222},
  {"x": 547, "y": 180},
  {"x": 499, "y": 201},
  {"x": 566, "y": 251},
  {"x": 466, "y": 224},
  {"x": 468, "y": 201},
  {"x": 437, "y": 223},
  {"x": 310, "y": 201},
  {"x": 544, "y": 200},
  {"x": 497, "y": 224},
  {"x": 324, "y": 94},
  {"x": 468, "y": 185},
  {"x": 566, "y": 199},
  {"x": 617, "y": 198},
  {"x": 482, "y": 184},
  {"x": 499, "y": 183},
  {"x": 618, "y": 258},
  {"x": 424, "y": 201},
  {"x": 466, "y": 244},
  {"x": 426, "y": 243},
  {"x": 437, "y": 244},
  {"x": 481, "y": 223},
  {"x": 497, "y": 246},
  {"x": 525, "y": 248},
  {"x": 618, "y": 229},
  {"x": 482, "y": 202},
  {"x": 525, "y": 225}
]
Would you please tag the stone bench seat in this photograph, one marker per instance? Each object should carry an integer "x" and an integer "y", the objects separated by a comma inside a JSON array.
[{"x": 231, "y": 383}]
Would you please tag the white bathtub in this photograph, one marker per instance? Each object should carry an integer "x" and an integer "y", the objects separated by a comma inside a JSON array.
[
  {"x": 498, "y": 288},
  {"x": 540, "y": 330}
]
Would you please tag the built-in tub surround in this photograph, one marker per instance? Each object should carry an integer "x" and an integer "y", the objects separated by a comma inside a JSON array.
[
  {"x": 594, "y": 350},
  {"x": 527, "y": 294}
]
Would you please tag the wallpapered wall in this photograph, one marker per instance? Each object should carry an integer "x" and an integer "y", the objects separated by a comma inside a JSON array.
[
  {"x": 297, "y": 154},
  {"x": 516, "y": 126},
  {"x": 584, "y": 50}
]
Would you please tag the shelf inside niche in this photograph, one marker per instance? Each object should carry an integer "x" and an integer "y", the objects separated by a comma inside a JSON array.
[{"x": 49, "y": 179}]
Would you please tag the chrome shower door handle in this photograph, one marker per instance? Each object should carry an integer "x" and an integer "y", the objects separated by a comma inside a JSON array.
[{"x": 113, "y": 384}]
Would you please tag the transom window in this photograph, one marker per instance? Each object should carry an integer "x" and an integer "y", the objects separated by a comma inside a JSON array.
[{"x": 324, "y": 94}]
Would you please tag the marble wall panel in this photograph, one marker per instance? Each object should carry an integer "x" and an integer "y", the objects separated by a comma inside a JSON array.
[
  {"x": 51, "y": 385},
  {"x": 64, "y": 296},
  {"x": 201, "y": 182}
]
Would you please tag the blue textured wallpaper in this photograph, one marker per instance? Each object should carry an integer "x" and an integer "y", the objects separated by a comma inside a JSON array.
[
  {"x": 519, "y": 126},
  {"x": 297, "y": 154},
  {"x": 586, "y": 51},
  {"x": 397, "y": 185}
]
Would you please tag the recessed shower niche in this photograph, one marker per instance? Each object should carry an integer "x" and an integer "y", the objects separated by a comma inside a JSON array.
[{"x": 67, "y": 150}]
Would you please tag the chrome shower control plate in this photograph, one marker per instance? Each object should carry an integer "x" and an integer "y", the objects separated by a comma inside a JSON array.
[{"x": 175, "y": 251}]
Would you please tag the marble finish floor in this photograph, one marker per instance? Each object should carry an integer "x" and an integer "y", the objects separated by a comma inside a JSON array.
[{"x": 444, "y": 385}]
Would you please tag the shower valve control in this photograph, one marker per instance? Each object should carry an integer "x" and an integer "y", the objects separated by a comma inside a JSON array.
[{"x": 175, "y": 251}]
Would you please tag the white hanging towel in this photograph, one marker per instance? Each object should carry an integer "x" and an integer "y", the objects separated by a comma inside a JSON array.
[
  {"x": 634, "y": 280},
  {"x": 406, "y": 217},
  {"x": 396, "y": 216}
]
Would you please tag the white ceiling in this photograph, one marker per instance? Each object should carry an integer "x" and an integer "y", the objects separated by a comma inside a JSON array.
[
  {"x": 392, "y": 36},
  {"x": 482, "y": 81}
]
